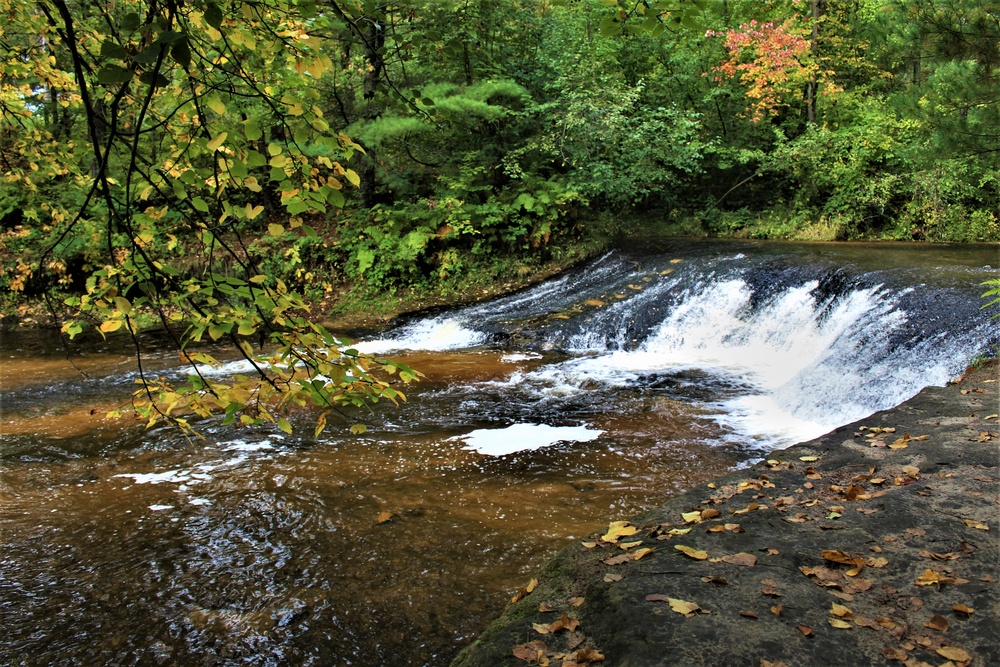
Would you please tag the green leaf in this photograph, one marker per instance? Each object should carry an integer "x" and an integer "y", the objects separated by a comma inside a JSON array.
[
  {"x": 284, "y": 425},
  {"x": 274, "y": 229},
  {"x": 353, "y": 177},
  {"x": 112, "y": 74},
  {"x": 154, "y": 79},
  {"x": 129, "y": 22},
  {"x": 216, "y": 143},
  {"x": 213, "y": 15},
  {"x": 181, "y": 52},
  {"x": 251, "y": 129},
  {"x": 358, "y": 429},
  {"x": 111, "y": 49}
]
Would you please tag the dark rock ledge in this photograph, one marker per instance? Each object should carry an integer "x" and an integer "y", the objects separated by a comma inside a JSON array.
[{"x": 867, "y": 546}]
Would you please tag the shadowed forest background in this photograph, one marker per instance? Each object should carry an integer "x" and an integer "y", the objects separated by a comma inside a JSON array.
[{"x": 229, "y": 167}]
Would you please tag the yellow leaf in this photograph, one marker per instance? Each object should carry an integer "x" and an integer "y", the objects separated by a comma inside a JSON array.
[
  {"x": 954, "y": 654},
  {"x": 258, "y": 279},
  {"x": 253, "y": 211},
  {"x": 353, "y": 177},
  {"x": 216, "y": 105},
  {"x": 841, "y": 611},
  {"x": 275, "y": 229},
  {"x": 618, "y": 529},
  {"x": 808, "y": 459},
  {"x": 691, "y": 517},
  {"x": 111, "y": 325},
  {"x": 216, "y": 143},
  {"x": 639, "y": 553},
  {"x": 683, "y": 606},
  {"x": 842, "y": 625},
  {"x": 972, "y": 523},
  {"x": 691, "y": 552}
]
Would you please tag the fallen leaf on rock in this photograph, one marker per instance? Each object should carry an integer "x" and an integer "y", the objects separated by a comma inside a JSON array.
[
  {"x": 565, "y": 623},
  {"x": 841, "y": 611},
  {"x": 863, "y": 621},
  {"x": 776, "y": 610},
  {"x": 639, "y": 553},
  {"x": 657, "y": 597},
  {"x": 589, "y": 545},
  {"x": 576, "y": 602},
  {"x": 951, "y": 555},
  {"x": 691, "y": 517},
  {"x": 748, "y": 614},
  {"x": 719, "y": 528},
  {"x": 773, "y": 552},
  {"x": 772, "y": 663},
  {"x": 541, "y": 628},
  {"x": 710, "y": 514},
  {"x": 877, "y": 562},
  {"x": 805, "y": 630},
  {"x": 691, "y": 552},
  {"x": 611, "y": 578},
  {"x": 963, "y": 609},
  {"x": 978, "y": 525},
  {"x": 855, "y": 493},
  {"x": 741, "y": 559},
  {"x": 524, "y": 591},
  {"x": 808, "y": 459},
  {"x": 885, "y": 622},
  {"x": 719, "y": 581},
  {"x": 937, "y": 622},
  {"x": 617, "y": 530},
  {"x": 585, "y": 656},
  {"x": 545, "y": 608},
  {"x": 533, "y": 653},
  {"x": 684, "y": 607},
  {"x": 629, "y": 545},
  {"x": 892, "y": 653},
  {"x": 770, "y": 590},
  {"x": 954, "y": 654},
  {"x": 930, "y": 577},
  {"x": 617, "y": 560},
  {"x": 840, "y": 624},
  {"x": 384, "y": 517},
  {"x": 574, "y": 639}
]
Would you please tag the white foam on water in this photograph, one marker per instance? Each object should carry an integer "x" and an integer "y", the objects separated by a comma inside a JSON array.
[
  {"x": 524, "y": 437},
  {"x": 433, "y": 334},
  {"x": 160, "y": 508},
  {"x": 169, "y": 476}
]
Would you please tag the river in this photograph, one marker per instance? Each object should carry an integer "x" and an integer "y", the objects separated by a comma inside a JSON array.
[{"x": 544, "y": 415}]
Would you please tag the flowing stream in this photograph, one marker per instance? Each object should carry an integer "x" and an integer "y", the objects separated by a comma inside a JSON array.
[{"x": 544, "y": 415}]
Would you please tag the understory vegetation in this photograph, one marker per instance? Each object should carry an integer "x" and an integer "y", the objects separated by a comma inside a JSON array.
[{"x": 233, "y": 166}]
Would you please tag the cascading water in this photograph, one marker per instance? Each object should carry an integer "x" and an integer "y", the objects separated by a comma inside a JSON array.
[
  {"x": 544, "y": 415},
  {"x": 787, "y": 348}
]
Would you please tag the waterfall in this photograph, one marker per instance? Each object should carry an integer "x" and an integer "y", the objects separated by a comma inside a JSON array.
[{"x": 789, "y": 347}]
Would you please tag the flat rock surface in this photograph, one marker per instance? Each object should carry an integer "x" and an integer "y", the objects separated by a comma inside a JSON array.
[{"x": 876, "y": 544}]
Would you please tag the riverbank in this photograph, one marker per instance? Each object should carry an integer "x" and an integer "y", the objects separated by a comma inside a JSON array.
[{"x": 874, "y": 544}]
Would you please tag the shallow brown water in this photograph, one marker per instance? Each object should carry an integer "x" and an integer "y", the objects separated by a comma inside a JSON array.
[
  {"x": 277, "y": 555},
  {"x": 120, "y": 546}
]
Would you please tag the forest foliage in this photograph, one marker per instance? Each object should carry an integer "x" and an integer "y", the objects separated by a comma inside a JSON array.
[{"x": 222, "y": 164}]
